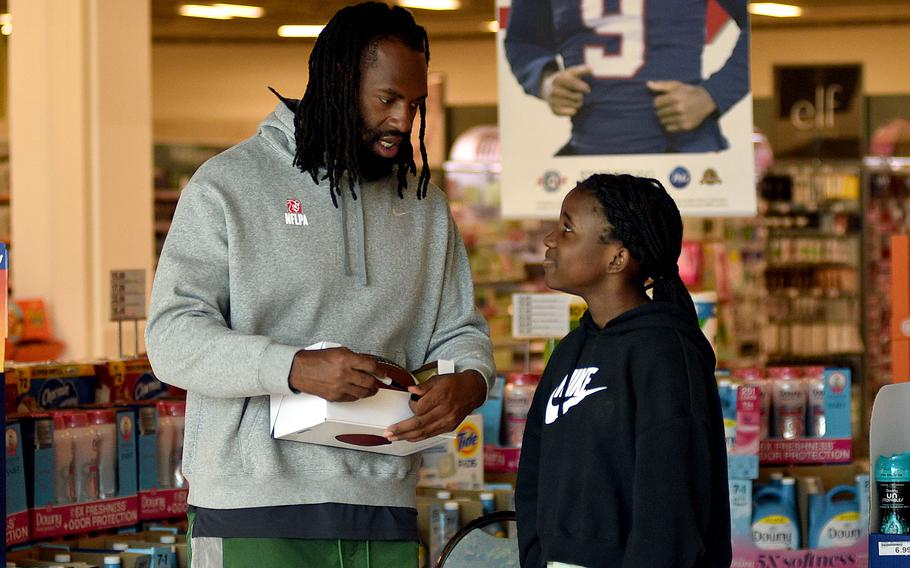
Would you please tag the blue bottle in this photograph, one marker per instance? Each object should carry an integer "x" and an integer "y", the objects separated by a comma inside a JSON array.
[
  {"x": 775, "y": 524},
  {"x": 834, "y": 518},
  {"x": 892, "y": 476},
  {"x": 727, "y": 391}
]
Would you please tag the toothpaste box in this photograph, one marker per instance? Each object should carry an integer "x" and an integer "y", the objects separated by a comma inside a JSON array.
[
  {"x": 16, "y": 501},
  {"x": 54, "y": 513},
  {"x": 836, "y": 446}
]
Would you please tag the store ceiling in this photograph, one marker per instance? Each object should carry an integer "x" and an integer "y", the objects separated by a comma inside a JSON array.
[{"x": 470, "y": 20}]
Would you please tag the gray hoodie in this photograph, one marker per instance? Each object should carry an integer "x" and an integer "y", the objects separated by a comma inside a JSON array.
[{"x": 258, "y": 264}]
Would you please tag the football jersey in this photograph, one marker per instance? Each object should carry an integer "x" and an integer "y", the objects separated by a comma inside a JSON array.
[{"x": 627, "y": 43}]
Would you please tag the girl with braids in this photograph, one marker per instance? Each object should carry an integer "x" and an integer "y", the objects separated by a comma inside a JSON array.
[
  {"x": 623, "y": 462},
  {"x": 317, "y": 228}
]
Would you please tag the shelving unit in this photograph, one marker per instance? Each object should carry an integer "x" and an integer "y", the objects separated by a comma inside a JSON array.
[
  {"x": 812, "y": 213},
  {"x": 886, "y": 183}
]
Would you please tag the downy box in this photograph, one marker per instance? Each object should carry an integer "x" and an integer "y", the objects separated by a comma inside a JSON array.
[{"x": 354, "y": 425}]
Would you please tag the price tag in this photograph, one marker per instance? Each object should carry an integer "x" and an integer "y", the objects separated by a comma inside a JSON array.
[
  {"x": 540, "y": 315},
  {"x": 894, "y": 549},
  {"x": 127, "y": 295}
]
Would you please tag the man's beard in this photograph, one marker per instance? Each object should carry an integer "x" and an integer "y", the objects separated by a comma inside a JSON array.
[{"x": 374, "y": 167}]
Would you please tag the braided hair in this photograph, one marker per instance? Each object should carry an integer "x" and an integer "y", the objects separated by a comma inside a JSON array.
[
  {"x": 327, "y": 122},
  {"x": 642, "y": 215}
]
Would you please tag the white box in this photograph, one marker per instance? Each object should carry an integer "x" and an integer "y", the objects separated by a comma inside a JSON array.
[{"x": 314, "y": 420}]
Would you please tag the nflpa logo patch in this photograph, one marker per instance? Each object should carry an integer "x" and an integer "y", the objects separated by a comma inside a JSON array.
[{"x": 295, "y": 215}]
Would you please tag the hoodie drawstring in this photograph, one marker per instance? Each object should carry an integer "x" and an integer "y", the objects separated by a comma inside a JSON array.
[
  {"x": 360, "y": 242},
  {"x": 342, "y": 199},
  {"x": 359, "y": 238}
]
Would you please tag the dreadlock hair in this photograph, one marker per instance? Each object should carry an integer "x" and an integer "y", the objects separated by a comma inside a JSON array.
[
  {"x": 644, "y": 217},
  {"x": 327, "y": 120}
]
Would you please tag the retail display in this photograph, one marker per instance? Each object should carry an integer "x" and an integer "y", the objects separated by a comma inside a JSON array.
[
  {"x": 87, "y": 466},
  {"x": 813, "y": 269},
  {"x": 887, "y": 213}
]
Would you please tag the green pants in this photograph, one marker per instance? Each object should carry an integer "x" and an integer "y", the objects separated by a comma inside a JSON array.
[{"x": 212, "y": 552}]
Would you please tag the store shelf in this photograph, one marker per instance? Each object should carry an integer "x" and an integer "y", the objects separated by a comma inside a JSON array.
[
  {"x": 809, "y": 233},
  {"x": 167, "y": 194},
  {"x": 815, "y": 265}
]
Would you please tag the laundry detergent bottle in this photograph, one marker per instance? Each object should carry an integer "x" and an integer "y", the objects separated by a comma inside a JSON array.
[
  {"x": 834, "y": 518},
  {"x": 774, "y": 518}
]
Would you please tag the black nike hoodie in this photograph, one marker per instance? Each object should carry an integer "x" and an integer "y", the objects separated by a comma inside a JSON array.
[{"x": 623, "y": 462}]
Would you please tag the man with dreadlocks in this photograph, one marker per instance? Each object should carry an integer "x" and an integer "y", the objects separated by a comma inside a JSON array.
[
  {"x": 623, "y": 462},
  {"x": 316, "y": 229}
]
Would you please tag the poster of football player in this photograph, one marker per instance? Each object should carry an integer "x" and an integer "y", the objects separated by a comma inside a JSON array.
[{"x": 655, "y": 88}]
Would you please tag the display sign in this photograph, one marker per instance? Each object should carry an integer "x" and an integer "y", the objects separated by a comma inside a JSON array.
[
  {"x": 127, "y": 295},
  {"x": 818, "y": 111},
  {"x": 540, "y": 315},
  {"x": 596, "y": 86}
]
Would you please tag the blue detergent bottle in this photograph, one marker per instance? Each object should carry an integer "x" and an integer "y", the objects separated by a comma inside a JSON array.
[
  {"x": 892, "y": 476},
  {"x": 774, "y": 518},
  {"x": 727, "y": 392},
  {"x": 834, "y": 518}
]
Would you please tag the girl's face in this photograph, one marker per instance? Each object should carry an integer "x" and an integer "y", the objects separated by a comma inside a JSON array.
[{"x": 577, "y": 260}]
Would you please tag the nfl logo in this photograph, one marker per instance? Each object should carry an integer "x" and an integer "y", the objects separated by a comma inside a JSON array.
[{"x": 294, "y": 206}]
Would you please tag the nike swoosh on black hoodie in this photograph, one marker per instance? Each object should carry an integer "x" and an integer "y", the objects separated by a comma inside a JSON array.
[{"x": 626, "y": 465}]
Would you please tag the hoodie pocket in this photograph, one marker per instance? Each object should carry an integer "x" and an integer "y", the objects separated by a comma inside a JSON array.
[{"x": 214, "y": 434}]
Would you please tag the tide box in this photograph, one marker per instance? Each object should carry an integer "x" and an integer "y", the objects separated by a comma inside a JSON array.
[
  {"x": 354, "y": 425},
  {"x": 458, "y": 464}
]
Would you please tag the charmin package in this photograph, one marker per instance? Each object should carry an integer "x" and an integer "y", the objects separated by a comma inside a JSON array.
[
  {"x": 130, "y": 380},
  {"x": 49, "y": 387}
]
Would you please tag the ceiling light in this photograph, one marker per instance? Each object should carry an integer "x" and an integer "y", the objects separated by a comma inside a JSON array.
[
  {"x": 431, "y": 4},
  {"x": 775, "y": 10},
  {"x": 6, "y": 24},
  {"x": 300, "y": 31},
  {"x": 221, "y": 11},
  {"x": 492, "y": 26}
]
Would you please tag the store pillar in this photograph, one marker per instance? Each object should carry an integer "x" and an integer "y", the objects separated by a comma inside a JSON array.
[{"x": 80, "y": 159}]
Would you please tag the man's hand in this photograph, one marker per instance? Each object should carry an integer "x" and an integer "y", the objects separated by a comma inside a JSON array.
[
  {"x": 444, "y": 402},
  {"x": 680, "y": 106},
  {"x": 336, "y": 374},
  {"x": 564, "y": 90}
]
